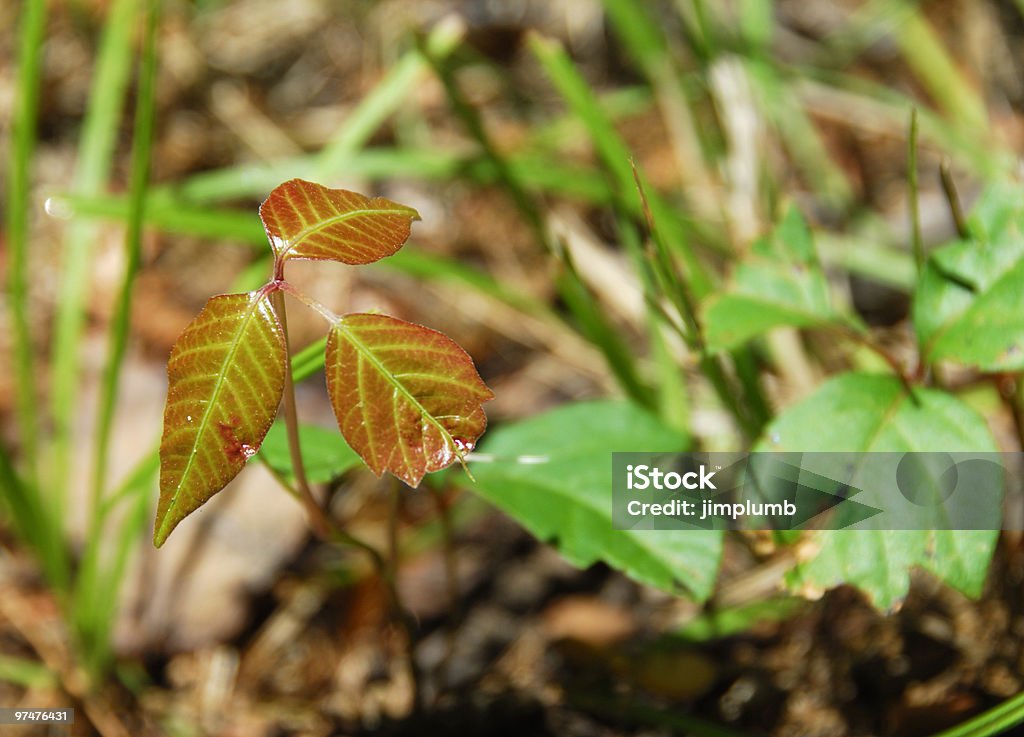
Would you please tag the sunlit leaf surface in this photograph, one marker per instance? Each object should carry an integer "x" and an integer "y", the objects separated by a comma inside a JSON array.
[
  {"x": 552, "y": 473},
  {"x": 873, "y": 413},
  {"x": 225, "y": 380},
  {"x": 307, "y": 220},
  {"x": 969, "y": 305},
  {"x": 407, "y": 398}
]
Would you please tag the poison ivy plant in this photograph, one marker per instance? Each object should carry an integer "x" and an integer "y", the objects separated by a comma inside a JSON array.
[
  {"x": 969, "y": 305},
  {"x": 552, "y": 473},
  {"x": 781, "y": 283},
  {"x": 408, "y": 400},
  {"x": 967, "y": 308},
  {"x": 874, "y": 413}
]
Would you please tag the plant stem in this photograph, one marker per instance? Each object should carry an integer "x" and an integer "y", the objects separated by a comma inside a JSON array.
[
  {"x": 912, "y": 194},
  {"x": 1012, "y": 391},
  {"x": 291, "y": 420},
  {"x": 391, "y": 579},
  {"x": 451, "y": 572},
  {"x": 956, "y": 210},
  {"x": 323, "y": 526},
  {"x": 448, "y": 535}
]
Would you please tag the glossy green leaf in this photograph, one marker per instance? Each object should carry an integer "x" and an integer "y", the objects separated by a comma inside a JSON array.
[
  {"x": 310, "y": 221},
  {"x": 969, "y": 305},
  {"x": 553, "y": 474},
  {"x": 407, "y": 398},
  {"x": 781, "y": 283},
  {"x": 873, "y": 413},
  {"x": 225, "y": 380},
  {"x": 325, "y": 454}
]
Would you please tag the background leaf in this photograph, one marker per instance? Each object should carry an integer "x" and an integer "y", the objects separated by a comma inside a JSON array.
[
  {"x": 781, "y": 283},
  {"x": 307, "y": 220},
  {"x": 552, "y": 473},
  {"x": 407, "y": 398},
  {"x": 969, "y": 306},
  {"x": 325, "y": 454},
  {"x": 225, "y": 380},
  {"x": 873, "y": 413}
]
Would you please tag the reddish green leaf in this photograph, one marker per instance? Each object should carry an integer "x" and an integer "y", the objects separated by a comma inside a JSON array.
[
  {"x": 307, "y": 220},
  {"x": 407, "y": 398},
  {"x": 225, "y": 380}
]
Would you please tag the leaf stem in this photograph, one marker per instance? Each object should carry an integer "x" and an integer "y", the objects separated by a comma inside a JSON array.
[
  {"x": 908, "y": 380},
  {"x": 311, "y": 303}
]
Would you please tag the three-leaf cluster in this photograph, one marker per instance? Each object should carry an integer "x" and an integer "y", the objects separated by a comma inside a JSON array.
[{"x": 407, "y": 398}]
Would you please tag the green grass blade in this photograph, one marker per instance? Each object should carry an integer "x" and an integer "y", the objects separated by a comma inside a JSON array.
[
  {"x": 93, "y": 629},
  {"x": 596, "y": 328},
  {"x": 23, "y": 143},
  {"x": 535, "y": 170},
  {"x": 593, "y": 321},
  {"x": 33, "y": 524},
  {"x": 95, "y": 152},
  {"x": 634, "y": 25},
  {"x": 387, "y": 97},
  {"x": 98, "y": 586},
  {"x": 168, "y": 216},
  {"x": 671, "y": 402},
  {"x": 470, "y": 118},
  {"x": 309, "y": 360},
  {"x": 756, "y": 23},
  {"x": 614, "y": 154},
  {"x": 940, "y": 74},
  {"x": 887, "y": 110},
  {"x": 142, "y": 144},
  {"x": 645, "y": 41},
  {"x": 799, "y": 134},
  {"x": 26, "y": 673}
]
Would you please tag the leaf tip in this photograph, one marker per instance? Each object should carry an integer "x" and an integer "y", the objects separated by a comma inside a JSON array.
[{"x": 161, "y": 533}]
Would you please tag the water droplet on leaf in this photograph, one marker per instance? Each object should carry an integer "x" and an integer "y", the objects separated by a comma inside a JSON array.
[{"x": 57, "y": 208}]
